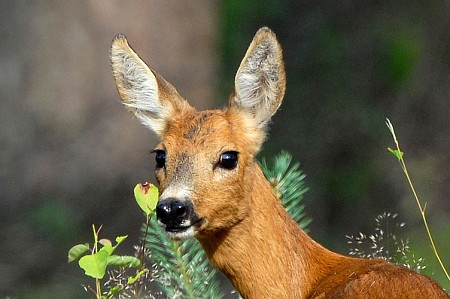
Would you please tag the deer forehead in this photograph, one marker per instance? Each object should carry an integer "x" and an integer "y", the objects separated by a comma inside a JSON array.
[
  {"x": 199, "y": 126},
  {"x": 206, "y": 133}
]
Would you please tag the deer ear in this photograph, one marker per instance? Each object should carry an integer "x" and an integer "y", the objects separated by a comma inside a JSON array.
[
  {"x": 260, "y": 81},
  {"x": 148, "y": 95}
]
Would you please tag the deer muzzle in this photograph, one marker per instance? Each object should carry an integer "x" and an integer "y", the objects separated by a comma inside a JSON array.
[{"x": 177, "y": 217}]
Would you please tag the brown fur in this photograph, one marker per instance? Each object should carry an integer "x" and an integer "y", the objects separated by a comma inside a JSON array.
[{"x": 243, "y": 228}]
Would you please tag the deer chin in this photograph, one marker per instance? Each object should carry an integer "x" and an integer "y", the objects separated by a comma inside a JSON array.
[
  {"x": 185, "y": 231},
  {"x": 181, "y": 233}
]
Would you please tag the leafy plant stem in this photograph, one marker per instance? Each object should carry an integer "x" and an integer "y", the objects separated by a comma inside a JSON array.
[
  {"x": 182, "y": 268},
  {"x": 98, "y": 287},
  {"x": 141, "y": 253},
  {"x": 98, "y": 290},
  {"x": 399, "y": 155}
]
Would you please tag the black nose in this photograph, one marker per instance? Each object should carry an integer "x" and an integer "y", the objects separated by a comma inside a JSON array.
[{"x": 171, "y": 212}]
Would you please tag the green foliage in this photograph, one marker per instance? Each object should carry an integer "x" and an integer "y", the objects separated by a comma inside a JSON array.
[
  {"x": 96, "y": 263},
  {"x": 398, "y": 154},
  {"x": 133, "y": 279},
  {"x": 287, "y": 180},
  {"x": 77, "y": 251},
  {"x": 183, "y": 270},
  {"x": 146, "y": 196}
]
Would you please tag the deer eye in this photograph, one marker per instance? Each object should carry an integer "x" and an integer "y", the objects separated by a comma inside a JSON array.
[
  {"x": 228, "y": 160},
  {"x": 160, "y": 158}
]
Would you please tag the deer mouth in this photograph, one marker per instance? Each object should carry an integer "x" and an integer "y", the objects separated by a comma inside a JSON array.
[{"x": 184, "y": 230}]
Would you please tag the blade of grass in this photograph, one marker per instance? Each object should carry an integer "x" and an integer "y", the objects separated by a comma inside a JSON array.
[{"x": 399, "y": 155}]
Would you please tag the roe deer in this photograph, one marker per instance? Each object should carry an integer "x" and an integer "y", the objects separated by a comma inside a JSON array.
[{"x": 213, "y": 189}]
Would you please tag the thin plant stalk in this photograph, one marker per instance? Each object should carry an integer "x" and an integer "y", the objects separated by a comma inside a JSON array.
[
  {"x": 142, "y": 252},
  {"x": 399, "y": 155},
  {"x": 98, "y": 288}
]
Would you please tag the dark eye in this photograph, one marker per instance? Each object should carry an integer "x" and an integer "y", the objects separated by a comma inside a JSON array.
[
  {"x": 228, "y": 160},
  {"x": 160, "y": 158}
]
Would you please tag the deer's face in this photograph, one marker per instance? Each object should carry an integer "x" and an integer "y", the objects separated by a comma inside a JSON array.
[
  {"x": 205, "y": 159},
  {"x": 201, "y": 166}
]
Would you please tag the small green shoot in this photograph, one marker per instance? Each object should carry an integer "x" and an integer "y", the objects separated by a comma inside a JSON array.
[
  {"x": 96, "y": 263},
  {"x": 133, "y": 279},
  {"x": 399, "y": 155}
]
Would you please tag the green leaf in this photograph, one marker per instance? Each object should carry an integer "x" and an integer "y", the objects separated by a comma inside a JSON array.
[
  {"x": 146, "y": 196},
  {"x": 114, "y": 291},
  {"x": 108, "y": 248},
  {"x": 398, "y": 154},
  {"x": 123, "y": 261},
  {"x": 120, "y": 239},
  {"x": 133, "y": 279},
  {"x": 94, "y": 265},
  {"x": 76, "y": 251}
]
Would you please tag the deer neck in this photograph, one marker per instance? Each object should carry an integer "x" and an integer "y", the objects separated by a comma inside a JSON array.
[{"x": 267, "y": 255}]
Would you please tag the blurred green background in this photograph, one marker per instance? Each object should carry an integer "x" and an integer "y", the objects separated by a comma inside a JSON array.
[{"x": 70, "y": 154}]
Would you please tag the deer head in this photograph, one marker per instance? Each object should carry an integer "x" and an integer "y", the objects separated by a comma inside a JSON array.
[{"x": 205, "y": 159}]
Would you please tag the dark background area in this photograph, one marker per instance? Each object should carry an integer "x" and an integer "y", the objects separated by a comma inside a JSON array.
[{"x": 70, "y": 154}]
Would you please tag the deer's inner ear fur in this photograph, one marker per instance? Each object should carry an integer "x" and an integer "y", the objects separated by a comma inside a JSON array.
[
  {"x": 147, "y": 94},
  {"x": 260, "y": 81}
]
